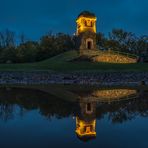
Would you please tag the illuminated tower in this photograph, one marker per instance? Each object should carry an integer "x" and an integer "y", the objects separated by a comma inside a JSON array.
[
  {"x": 86, "y": 121},
  {"x": 86, "y": 31}
]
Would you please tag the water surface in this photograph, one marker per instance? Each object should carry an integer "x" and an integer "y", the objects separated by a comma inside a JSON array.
[{"x": 68, "y": 116}]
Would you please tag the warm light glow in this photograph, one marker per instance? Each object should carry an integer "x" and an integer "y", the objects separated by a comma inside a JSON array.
[
  {"x": 113, "y": 93},
  {"x": 84, "y": 128},
  {"x": 114, "y": 58},
  {"x": 86, "y": 24},
  {"x": 108, "y": 56}
]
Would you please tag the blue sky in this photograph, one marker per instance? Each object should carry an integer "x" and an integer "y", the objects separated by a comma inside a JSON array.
[{"x": 37, "y": 17}]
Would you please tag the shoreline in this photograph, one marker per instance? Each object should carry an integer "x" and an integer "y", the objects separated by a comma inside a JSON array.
[{"x": 48, "y": 77}]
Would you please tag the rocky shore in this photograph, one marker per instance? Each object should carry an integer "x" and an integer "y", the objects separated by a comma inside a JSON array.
[{"x": 101, "y": 78}]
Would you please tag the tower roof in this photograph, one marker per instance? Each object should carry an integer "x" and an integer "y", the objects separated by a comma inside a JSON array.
[
  {"x": 86, "y": 138},
  {"x": 87, "y": 14}
]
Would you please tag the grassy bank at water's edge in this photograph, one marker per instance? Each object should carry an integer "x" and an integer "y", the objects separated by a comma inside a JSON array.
[{"x": 62, "y": 63}]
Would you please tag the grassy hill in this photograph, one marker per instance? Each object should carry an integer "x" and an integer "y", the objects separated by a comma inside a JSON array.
[{"x": 63, "y": 63}]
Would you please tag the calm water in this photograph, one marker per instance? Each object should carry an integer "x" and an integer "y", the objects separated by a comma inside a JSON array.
[{"x": 68, "y": 116}]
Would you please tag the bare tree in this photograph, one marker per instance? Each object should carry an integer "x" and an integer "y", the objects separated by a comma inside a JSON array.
[
  {"x": 2, "y": 40},
  {"x": 10, "y": 38},
  {"x": 22, "y": 38}
]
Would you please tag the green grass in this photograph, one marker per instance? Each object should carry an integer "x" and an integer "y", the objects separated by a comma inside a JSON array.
[{"x": 61, "y": 63}]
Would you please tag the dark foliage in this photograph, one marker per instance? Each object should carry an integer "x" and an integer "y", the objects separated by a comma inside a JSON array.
[{"x": 50, "y": 45}]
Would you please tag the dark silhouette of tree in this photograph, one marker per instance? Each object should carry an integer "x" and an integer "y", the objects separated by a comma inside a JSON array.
[
  {"x": 27, "y": 52},
  {"x": 121, "y": 40},
  {"x": 53, "y": 44}
]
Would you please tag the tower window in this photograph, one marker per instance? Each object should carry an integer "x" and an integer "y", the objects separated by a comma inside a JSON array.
[
  {"x": 85, "y": 23},
  {"x": 91, "y": 24}
]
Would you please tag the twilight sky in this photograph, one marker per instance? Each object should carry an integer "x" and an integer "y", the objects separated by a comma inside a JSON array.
[{"x": 37, "y": 17}]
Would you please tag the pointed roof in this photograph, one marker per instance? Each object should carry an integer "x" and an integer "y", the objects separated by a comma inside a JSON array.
[{"x": 87, "y": 14}]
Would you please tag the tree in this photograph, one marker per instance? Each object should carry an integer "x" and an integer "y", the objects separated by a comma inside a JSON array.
[
  {"x": 2, "y": 40},
  {"x": 46, "y": 47},
  {"x": 51, "y": 45},
  {"x": 141, "y": 45},
  {"x": 101, "y": 40},
  {"x": 8, "y": 55},
  {"x": 22, "y": 38},
  {"x": 123, "y": 41},
  {"x": 63, "y": 42},
  {"x": 10, "y": 38},
  {"x": 27, "y": 52},
  {"x": 7, "y": 39}
]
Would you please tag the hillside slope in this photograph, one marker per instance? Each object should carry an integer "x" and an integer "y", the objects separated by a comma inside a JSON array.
[{"x": 63, "y": 63}]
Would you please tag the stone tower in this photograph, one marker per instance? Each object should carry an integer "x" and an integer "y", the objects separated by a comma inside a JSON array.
[{"x": 86, "y": 31}]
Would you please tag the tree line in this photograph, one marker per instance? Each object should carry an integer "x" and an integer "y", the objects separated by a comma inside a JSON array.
[
  {"x": 123, "y": 41},
  {"x": 31, "y": 51},
  {"x": 50, "y": 45}
]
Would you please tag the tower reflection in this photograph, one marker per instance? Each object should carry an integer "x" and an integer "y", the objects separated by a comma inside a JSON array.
[
  {"x": 86, "y": 121},
  {"x": 90, "y": 102}
]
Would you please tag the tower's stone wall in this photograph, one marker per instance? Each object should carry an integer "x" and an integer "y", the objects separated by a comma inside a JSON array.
[{"x": 81, "y": 41}]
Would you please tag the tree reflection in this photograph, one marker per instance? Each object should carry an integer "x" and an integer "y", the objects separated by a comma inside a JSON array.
[
  {"x": 30, "y": 99},
  {"x": 117, "y": 111},
  {"x": 6, "y": 112}
]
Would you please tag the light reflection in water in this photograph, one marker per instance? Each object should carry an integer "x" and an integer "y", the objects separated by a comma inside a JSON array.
[
  {"x": 86, "y": 121},
  {"x": 120, "y": 105}
]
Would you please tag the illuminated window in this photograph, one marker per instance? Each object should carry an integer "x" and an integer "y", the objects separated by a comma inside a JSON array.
[
  {"x": 85, "y": 23},
  {"x": 89, "y": 23}
]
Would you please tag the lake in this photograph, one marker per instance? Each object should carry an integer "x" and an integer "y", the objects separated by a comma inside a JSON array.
[{"x": 73, "y": 116}]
